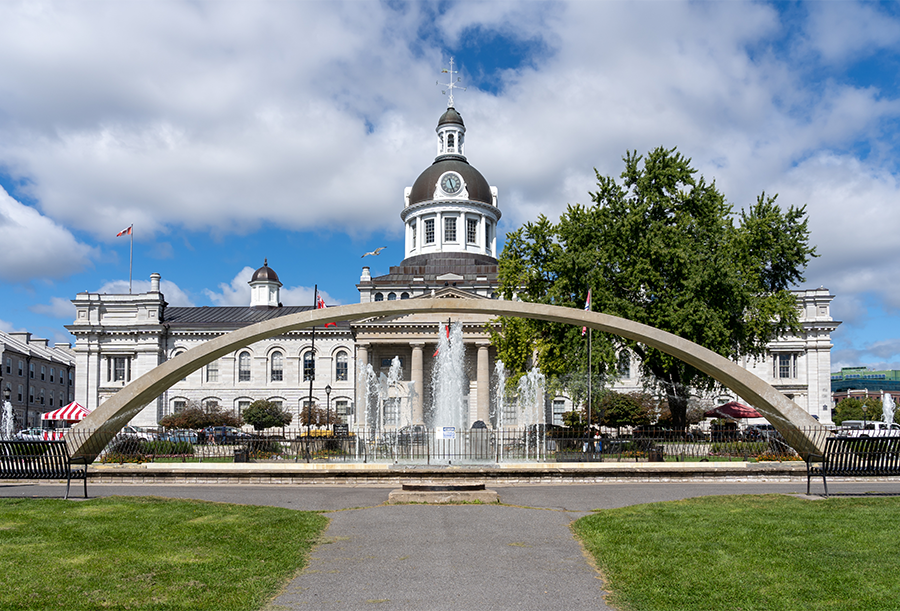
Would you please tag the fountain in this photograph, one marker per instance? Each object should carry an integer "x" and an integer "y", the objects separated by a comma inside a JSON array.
[
  {"x": 887, "y": 409},
  {"x": 7, "y": 421},
  {"x": 531, "y": 411},
  {"x": 449, "y": 386}
]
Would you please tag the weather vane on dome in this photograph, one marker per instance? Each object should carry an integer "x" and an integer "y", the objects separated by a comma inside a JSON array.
[{"x": 451, "y": 85}]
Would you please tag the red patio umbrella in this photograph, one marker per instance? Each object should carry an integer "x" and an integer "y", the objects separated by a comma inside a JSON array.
[{"x": 733, "y": 409}]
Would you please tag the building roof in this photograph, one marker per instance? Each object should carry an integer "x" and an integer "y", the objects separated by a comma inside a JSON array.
[
  {"x": 429, "y": 269},
  {"x": 265, "y": 274},
  {"x": 228, "y": 316},
  {"x": 451, "y": 115},
  {"x": 476, "y": 184}
]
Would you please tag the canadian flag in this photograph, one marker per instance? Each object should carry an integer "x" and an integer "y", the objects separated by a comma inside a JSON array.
[
  {"x": 439, "y": 348},
  {"x": 320, "y": 305},
  {"x": 126, "y": 231}
]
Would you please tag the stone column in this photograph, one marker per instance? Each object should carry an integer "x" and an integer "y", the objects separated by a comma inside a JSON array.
[
  {"x": 362, "y": 359},
  {"x": 484, "y": 384},
  {"x": 417, "y": 379}
]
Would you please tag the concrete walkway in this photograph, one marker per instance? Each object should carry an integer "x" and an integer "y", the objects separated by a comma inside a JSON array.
[{"x": 519, "y": 555}]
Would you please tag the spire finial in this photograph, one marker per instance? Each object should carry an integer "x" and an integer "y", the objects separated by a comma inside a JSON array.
[
  {"x": 451, "y": 85},
  {"x": 266, "y": 262}
]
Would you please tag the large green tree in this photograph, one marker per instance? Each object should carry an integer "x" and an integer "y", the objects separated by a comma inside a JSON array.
[
  {"x": 663, "y": 247},
  {"x": 262, "y": 414}
]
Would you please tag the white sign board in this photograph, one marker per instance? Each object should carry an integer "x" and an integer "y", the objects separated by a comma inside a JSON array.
[{"x": 447, "y": 432}]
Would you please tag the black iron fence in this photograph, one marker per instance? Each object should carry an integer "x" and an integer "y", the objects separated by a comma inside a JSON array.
[{"x": 418, "y": 445}]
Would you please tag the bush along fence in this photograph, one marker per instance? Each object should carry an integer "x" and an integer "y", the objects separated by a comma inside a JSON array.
[{"x": 420, "y": 445}]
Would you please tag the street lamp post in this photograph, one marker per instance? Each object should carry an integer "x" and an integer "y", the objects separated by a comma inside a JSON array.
[{"x": 328, "y": 406}]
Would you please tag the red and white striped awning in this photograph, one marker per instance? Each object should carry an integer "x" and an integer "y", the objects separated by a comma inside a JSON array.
[{"x": 73, "y": 412}]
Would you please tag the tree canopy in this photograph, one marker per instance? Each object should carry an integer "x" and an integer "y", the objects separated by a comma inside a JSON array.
[
  {"x": 193, "y": 416},
  {"x": 663, "y": 247},
  {"x": 262, "y": 414}
]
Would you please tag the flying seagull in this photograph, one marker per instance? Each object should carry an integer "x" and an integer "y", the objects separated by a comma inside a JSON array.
[{"x": 374, "y": 252}]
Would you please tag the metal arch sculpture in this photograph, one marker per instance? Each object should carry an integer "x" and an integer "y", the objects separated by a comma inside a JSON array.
[{"x": 803, "y": 432}]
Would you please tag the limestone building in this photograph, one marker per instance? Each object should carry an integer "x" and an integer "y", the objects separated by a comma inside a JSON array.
[
  {"x": 39, "y": 377},
  {"x": 450, "y": 215}
]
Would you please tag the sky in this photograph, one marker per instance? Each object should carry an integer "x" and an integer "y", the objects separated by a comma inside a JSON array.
[{"x": 228, "y": 133}]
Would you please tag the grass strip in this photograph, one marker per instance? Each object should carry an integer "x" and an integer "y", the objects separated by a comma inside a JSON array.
[
  {"x": 749, "y": 553},
  {"x": 148, "y": 553}
]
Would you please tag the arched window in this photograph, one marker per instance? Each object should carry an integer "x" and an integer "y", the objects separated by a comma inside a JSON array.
[
  {"x": 450, "y": 144},
  {"x": 244, "y": 367},
  {"x": 379, "y": 297},
  {"x": 392, "y": 296},
  {"x": 309, "y": 366},
  {"x": 277, "y": 373},
  {"x": 341, "y": 370},
  {"x": 404, "y": 295},
  {"x": 625, "y": 364}
]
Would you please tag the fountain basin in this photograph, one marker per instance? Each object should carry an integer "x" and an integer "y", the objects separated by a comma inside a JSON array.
[{"x": 442, "y": 492}]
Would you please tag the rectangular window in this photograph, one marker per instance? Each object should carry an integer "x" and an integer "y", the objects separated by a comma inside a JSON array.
[
  {"x": 20, "y": 395},
  {"x": 386, "y": 362},
  {"x": 52, "y": 374},
  {"x": 309, "y": 367},
  {"x": 31, "y": 394},
  {"x": 392, "y": 411},
  {"x": 450, "y": 229},
  {"x": 31, "y": 370},
  {"x": 242, "y": 405},
  {"x": 429, "y": 231},
  {"x": 785, "y": 366},
  {"x": 119, "y": 369},
  {"x": 342, "y": 407},
  {"x": 8, "y": 365},
  {"x": 43, "y": 372},
  {"x": 21, "y": 370},
  {"x": 413, "y": 228},
  {"x": 212, "y": 372},
  {"x": 487, "y": 237},
  {"x": 559, "y": 408},
  {"x": 42, "y": 396},
  {"x": 471, "y": 230},
  {"x": 178, "y": 406},
  {"x": 51, "y": 398}
]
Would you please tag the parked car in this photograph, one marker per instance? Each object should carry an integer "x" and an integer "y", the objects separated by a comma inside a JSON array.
[
  {"x": 225, "y": 434},
  {"x": 415, "y": 433},
  {"x": 760, "y": 432},
  {"x": 177, "y": 435},
  {"x": 34, "y": 434},
  {"x": 137, "y": 433},
  {"x": 868, "y": 428}
]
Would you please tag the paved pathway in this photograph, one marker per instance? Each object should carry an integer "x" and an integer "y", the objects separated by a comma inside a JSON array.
[{"x": 519, "y": 555}]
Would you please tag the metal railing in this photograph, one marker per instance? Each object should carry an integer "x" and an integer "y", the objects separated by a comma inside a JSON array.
[{"x": 437, "y": 447}]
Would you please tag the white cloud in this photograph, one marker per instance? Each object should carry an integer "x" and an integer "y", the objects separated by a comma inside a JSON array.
[
  {"x": 57, "y": 308},
  {"x": 36, "y": 247},
  {"x": 9, "y": 327},
  {"x": 173, "y": 294}
]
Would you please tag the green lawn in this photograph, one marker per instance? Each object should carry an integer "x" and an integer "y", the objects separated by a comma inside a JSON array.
[
  {"x": 749, "y": 553},
  {"x": 148, "y": 553}
]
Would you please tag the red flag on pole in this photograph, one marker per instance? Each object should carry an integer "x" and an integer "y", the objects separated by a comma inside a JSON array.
[
  {"x": 439, "y": 346},
  {"x": 320, "y": 305},
  {"x": 587, "y": 308},
  {"x": 126, "y": 231}
]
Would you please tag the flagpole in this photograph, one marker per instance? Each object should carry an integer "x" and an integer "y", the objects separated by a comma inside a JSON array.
[
  {"x": 313, "y": 372},
  {"x": 130, "y": 259},
  {"x": 590, "y": 335}
]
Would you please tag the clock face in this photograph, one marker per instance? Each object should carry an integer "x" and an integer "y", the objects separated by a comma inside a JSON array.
[{"x": 451, "y": 183}]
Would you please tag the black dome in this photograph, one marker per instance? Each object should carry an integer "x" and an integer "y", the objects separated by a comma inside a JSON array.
[
  {"x": 478, "y": 187},
  {"x": 451, "y": 116},
  {"x": 265, "y": 274}
]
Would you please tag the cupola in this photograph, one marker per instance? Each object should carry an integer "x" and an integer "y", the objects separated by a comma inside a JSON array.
[{"x": 265, "y": 287}]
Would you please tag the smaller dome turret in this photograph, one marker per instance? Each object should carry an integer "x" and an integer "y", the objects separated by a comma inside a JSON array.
[{"x": 265, "y": 287}]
